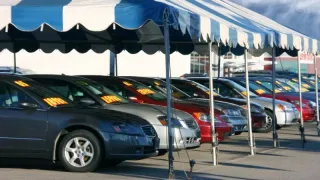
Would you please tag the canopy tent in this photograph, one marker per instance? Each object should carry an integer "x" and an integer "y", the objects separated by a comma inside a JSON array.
[{"x": 122, "y": 24}]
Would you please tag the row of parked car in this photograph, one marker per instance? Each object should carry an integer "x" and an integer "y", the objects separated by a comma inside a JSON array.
[{"x": 85, "y": 121}]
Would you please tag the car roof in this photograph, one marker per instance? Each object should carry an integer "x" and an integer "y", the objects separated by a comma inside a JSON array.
[
  {"x": 56, "y": 76},
  {"x": 11, "y": 77}
]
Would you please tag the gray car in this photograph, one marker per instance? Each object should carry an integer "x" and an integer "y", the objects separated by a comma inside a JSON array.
[{"x": 84, "y": 91}]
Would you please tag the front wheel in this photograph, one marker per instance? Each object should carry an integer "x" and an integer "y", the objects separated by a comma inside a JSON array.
[
  {"x": 268, "y": 124},
  {"x": 80, "y": 151}
]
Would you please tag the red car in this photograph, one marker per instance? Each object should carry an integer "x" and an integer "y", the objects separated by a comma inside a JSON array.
[{"x": 140, "y": 93}]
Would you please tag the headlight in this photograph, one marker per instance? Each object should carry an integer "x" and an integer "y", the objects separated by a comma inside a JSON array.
[
  {"x": 174, "y": 122},
  {"x": 124, "y": 128},
  {"x": 204, "y": 117},
  {"x": 254, "y": 109},
  {"x": 231, "y": 112},
  {"x": 284, "y": 107},
  {"x": 312, "y": 104},
  {"x": 226, "y": 119},
  {"x": 297, "y": 103}
]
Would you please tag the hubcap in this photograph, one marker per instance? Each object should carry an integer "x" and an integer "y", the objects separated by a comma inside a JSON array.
[
  {"x": 268, "y": 122},
  {"x": 79, "y": 152}
]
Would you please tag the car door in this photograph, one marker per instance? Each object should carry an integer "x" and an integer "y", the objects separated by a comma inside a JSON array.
[{"x": 22, "y": 130}]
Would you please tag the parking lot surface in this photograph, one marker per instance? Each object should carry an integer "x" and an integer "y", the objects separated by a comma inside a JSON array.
[{"x": 288, "y": 161}]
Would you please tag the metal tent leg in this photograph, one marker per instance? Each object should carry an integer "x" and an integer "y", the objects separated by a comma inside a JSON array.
[
  {"x": 317, "y": 93},
  {"x": 251, "y": 143},
  {"x": 303, "y": 138},
  {"x": 213, "y": 129},
  {"x": 113, "y": 64},
  {"x": 170, "y": 133},
  {"x": 276, "y": 142}
]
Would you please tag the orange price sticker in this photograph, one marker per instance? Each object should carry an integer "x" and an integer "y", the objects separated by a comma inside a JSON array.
[
  {"x": 145, "y": 91},
  {"x": 126, "y": 83},
  {"x": 244, "y": 93},
  {"x": 260, "y": 91},
  {"x": 110, "y": 99},
  {"x": 306, "y": 85},
  {"x": 21, "y": 83},
  {"x": 277, "y": 91},
  {"x": 54, "y": 101},
  {"x": 286, "y": 88}
]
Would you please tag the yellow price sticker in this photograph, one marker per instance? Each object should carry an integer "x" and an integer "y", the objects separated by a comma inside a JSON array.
[
  {"x": 277, "y": 91},
  {"x": 286, "y": 88},
  {"x": 306, "y": 85},
  {"x": 244, "y": 93},
  {"x": 258, "y": 82},
  {"x": 278, "y": 82},
  {"x": 110, "y": 99},
  {"x": 304, "y": 89},
  {"x": 260, "y": 91},
  {"x": 294, "y": 79},
  {"x": 145, "y": 91},
  {"x": 126, "y": 83},
  {"x": 157, "y": 83},
  {"x": 312, "y": 82},
  {"x": 54, "y": 101},
  {"x": 21, "y": 83}
]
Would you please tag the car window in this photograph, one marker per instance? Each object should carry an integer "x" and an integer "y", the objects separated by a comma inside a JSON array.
[
  {"x": 120, "y": 90},
  {"x": 257, "y": 88},
  {"x": 239, "y": 88},
  {"x": 12, "y": 97},
  {"x": 224, "y": 90}
]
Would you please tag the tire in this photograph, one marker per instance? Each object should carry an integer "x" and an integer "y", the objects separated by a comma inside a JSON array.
[
  {"x": 237, "y": 133},
  {"x": 70, "y": 159},
  {"x": 269, "y": 123},
  {"x": 162, "y": 152}
]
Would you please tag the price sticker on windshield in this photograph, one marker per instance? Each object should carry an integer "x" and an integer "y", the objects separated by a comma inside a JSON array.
[
  {"x": 54, "y": 101},
  {"x": 260, "y": 91},
  {"x": 145, "y": 91},
  {"x": 258, "y": 82},
  {"x": 306, "y": 85},
  {"x": 278, "y": 82},
  {"x": 244, "y": 93},
  {"x": 312, "y": 82},
  {"x": 286, "y": 88},
  {"x": 110, "y": 99},
  {"x": 277, "y": 91},
  {"x": 21, "y": 83},
  {"x": 157, "y": 83},
  {"x": 126, "y": 83},
  {"x": 294, "y": 79}
]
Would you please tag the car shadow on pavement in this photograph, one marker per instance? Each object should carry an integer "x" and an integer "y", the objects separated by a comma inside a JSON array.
[{"x": 22, "y": 163}]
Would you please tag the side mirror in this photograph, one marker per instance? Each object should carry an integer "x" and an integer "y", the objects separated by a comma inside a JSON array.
[
  {"x": 28, "y": 105},
  {"x": 87, "y": 101},
  {"x": 135, "y": 100}
]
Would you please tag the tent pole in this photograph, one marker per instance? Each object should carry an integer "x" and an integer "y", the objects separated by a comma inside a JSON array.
[
  {"x": 113, "y": 64},
  {"x": 248, "y": 105},
  {"x": 213, "y": 129},
  {"x": 219, "y": 62},
  {"x": 303, "y": 139},
  {"x": 317, "y": 91},
  {"x": 14, "y": 63},
  {"x": 170, "y": 133},
  {"x": 274, "y": 123}
]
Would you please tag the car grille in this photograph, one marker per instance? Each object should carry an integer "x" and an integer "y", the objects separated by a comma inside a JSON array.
[
  {"x": 149, "y": 131},
  {"x": 191, "y": 124}
]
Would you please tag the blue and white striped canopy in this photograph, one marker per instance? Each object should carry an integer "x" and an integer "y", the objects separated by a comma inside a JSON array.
[{"x": 89, "y": 24}]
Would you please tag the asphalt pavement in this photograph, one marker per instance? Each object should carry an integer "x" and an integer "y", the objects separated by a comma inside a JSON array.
[{"x": 290, "y": 161}]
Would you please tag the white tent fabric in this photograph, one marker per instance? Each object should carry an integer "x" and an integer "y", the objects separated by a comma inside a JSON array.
[{"x": 53, "y": 23}]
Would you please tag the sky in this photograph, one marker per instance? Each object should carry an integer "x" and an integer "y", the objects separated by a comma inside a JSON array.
[{"x": 300, "y": 15}]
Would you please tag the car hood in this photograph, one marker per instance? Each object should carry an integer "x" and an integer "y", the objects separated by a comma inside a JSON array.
[
  {"x": 268, "y": 101},
  {"x": 217, "y": 104},
  {"x": 149, "y": 112},
  {"x": 107, "y": 115}
]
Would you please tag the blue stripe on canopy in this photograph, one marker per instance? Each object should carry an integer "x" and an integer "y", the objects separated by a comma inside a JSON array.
[{"x": 28, "y": 17}]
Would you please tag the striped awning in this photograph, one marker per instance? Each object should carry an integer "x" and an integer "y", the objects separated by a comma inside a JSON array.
[{"x": 135, "y": 25}]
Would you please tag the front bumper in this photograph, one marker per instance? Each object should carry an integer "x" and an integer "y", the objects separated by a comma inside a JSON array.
[
  {"x": 184, "y": 138},
  {"x": 223, "y": 133},
  {"x": 130, "y": 147},
  {"x": 258, "y": 120},
  {"x": 239, "y": 123},
  {"x": 287, "y": 117}
]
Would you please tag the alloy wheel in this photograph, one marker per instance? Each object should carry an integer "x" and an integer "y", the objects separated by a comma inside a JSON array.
[{"x": 79, "y": 152}]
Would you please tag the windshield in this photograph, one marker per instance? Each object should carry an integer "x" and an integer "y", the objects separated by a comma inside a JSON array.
[
  {"x": 257, "y": 87},
  {"x": 294, "y": 83},
  {"x": 177, "y": 93},
  {"x": 286, "y": 87},
  {"x": 145, "y": 90},
  {"x": 241, "y": 89},
  {"x": 48, "y": 96},
  {"x": 191, "y": 88},
  {"x": 107, "y": 95}
]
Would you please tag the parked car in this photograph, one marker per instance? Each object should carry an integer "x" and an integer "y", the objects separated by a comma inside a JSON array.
[
  {"x": 255, "y": 85},
  {"x": 143, "y": 94},
  {"x": 234, "y": 114},
  {"x": 82, "y": 90},
  {"x": 39, "y": 123},
  {"x": 197, "y": 90},
  {"x": 286, "y": 113}
]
